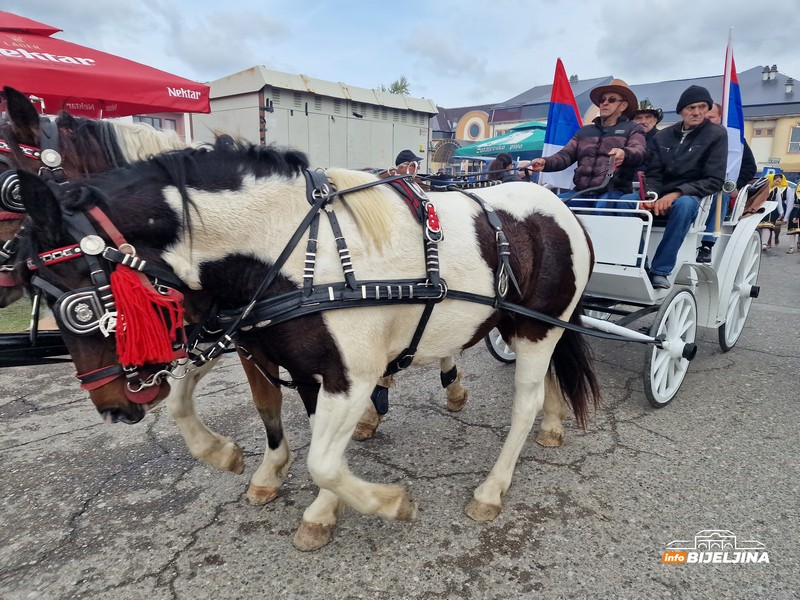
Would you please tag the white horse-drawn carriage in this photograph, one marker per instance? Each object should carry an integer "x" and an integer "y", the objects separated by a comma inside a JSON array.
[{"x": 716, "y": 295}]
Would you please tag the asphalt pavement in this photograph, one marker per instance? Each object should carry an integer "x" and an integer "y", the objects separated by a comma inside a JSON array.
[{"x": 121, "y": 512}]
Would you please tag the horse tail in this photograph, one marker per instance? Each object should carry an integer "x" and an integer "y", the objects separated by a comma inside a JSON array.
[{"x": 573, "y": 366}]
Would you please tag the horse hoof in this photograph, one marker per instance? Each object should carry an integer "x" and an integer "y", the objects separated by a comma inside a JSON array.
[
  {"x": 312, "y": 536},
  {"x": 227, "y": 457},
  {"x": 480, "y": 511},
  {"x": 364, "y": 431},
  {"x": 550, "y": 439},
  {"x": 456, "y": 404},
  {"x": 407, "y": 511},
  {"x": 259, "y": 495}
]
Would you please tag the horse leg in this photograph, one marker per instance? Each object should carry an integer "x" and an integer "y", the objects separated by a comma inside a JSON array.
[
  {"x": 533, "y": 360},
  {"x": 332, "y": 426},
  {"x": 551, "y": 431},
  {"x": 369, "y": 421},
  {"x": 268, "y": 400},
  {"x": 218, "y": 451},
  {"x": 451, "y": 382}
]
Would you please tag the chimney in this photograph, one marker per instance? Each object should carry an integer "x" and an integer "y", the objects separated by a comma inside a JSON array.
[
  {"x": 573, "y": 78},
  {"x": 764, "y": 73},
  {"x": 773, "y": 72},
  {"x": 789, "y": 86}
]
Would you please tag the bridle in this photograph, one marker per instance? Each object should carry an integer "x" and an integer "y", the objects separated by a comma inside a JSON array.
[
  {"x": 89, "y": 310},
  {"x": 11, "y": 208}
]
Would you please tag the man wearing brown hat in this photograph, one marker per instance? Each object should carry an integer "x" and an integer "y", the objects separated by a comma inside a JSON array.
[{"x": 612, "y": 135}]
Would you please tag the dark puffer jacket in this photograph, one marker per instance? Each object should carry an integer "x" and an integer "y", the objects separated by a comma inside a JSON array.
[
  {"x": 693, "y": 167},
  {"x": 589, "y": 147}
]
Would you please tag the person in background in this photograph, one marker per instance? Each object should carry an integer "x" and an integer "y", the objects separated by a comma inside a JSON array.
[
  {"x": 688, "y": 163},
  {"x": 502, "y": 168},
  {"x": 407, "y": 162},
  {"x": 792, "y": 218},
  {"x": 648, "y": 117},
  {"x": 747, "y": 172},
  {"x": 771, "y": 223},
  {"x": 611, "y": 136}
]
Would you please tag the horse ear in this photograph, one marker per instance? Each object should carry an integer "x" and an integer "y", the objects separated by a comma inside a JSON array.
[
  {"x": 23, "y": 116},
  {"x": 40, "y": 203},
  {"x": 66, "y": 121}
]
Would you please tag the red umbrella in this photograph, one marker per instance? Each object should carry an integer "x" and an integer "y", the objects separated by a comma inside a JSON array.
[{"x": 88, "y": 82}]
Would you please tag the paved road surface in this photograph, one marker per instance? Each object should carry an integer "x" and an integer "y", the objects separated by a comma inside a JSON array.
[{"x": 122, "y": 512}]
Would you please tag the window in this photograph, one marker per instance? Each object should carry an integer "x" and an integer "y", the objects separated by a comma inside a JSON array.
[
  {"x": 758, "y": 132},
  {"x": 152, "y": 121},
  {"x": 794, "y": 140},
  {"x": 474, "y": 131},
  {"x": 162, "y": 124},
  {"x": 770, "y": 132}
]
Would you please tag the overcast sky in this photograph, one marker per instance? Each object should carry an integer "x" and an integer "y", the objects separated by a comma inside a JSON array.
[{"x": 456, "y": 52}]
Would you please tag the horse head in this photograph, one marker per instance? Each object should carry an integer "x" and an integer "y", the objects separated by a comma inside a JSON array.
[
  {"x": 76, "y": 257},
  {"x": 58, "y": 150},
  {"x": 65, "y": 149}
]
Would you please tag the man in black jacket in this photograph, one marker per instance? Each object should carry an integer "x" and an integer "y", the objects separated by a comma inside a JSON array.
[
  {"x": 688, "y": 163},
  {"x": 747, "y": 171}
]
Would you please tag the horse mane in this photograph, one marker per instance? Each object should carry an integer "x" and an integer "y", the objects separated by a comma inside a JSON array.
[
  {"x": 370, "y": 207},
  {"x": 140, "y": 141},
  {"x": 90, "y": 150}
]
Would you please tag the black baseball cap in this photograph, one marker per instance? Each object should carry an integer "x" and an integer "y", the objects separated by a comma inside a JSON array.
[{"x": 406, "y": 156}]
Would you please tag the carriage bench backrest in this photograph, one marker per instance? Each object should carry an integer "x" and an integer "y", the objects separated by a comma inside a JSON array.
[{"x": 616, "y": 239}]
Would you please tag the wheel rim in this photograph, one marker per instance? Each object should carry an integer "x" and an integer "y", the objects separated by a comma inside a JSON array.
[
  {"x": 667, "y": 366},
  {"x": 499, "y": 345},
  {"x": 740, "y": 300}
]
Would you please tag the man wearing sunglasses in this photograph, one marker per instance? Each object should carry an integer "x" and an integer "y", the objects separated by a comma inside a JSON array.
[{"x": 611, "y": 136}]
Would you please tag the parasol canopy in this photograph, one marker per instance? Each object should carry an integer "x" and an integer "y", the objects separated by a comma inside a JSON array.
[
  {"x": 523, "y": 142},
  {"x": 87, "y": 82}
]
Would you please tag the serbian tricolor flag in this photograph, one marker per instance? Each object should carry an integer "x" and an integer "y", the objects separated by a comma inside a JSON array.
[
  {"x": 732, "y": 113},
  {"x": 563, "y": 120}
]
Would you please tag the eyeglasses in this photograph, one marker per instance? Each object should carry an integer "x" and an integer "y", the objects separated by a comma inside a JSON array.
[{"x": 609, "y": 100}]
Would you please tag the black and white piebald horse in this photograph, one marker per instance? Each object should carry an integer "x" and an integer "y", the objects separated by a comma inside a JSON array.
[{"x": 229, "y": 230}]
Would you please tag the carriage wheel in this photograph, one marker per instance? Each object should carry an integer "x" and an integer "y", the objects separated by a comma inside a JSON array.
[
  {"x": 665, "y": 367},
  {"x": 743, "y": 291},
  {"x": 498, "y": 347}
]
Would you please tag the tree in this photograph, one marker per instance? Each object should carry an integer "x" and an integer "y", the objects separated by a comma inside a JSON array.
[{"x": 399, "y": 86}]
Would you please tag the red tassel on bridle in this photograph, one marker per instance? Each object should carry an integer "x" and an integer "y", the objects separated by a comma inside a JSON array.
[{"x": 147, "y": 322}]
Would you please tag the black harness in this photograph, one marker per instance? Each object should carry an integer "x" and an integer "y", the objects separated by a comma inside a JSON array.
[{"x": 87, "y": 310}]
